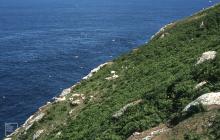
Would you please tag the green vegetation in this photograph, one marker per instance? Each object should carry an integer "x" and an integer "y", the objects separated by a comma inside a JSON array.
[{"x": 162, "y": 73}]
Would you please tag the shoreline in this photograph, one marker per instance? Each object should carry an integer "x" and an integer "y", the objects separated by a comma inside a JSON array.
[{"x": 39, "y": 114}]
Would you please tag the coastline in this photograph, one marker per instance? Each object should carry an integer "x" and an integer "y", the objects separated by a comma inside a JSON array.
[{"x": 39, "y": 114}]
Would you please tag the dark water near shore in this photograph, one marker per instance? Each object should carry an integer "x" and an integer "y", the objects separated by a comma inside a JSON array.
[{"x": 48, "y": 45}]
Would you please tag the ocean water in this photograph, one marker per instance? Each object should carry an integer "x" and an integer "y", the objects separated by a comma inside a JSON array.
[{"x": 48, "y": 45}]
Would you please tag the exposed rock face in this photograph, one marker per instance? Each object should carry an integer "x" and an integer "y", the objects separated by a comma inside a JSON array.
[
  {"x": 7, "y": 139},
  {"x": 150, "y": 133},
  {"x": 95, "y": 70},
  {"x": 208, "y": 99},
  {"x": 65, "y": 92},
  {"x": 76, "y": 102},
  {"x": 202, "y": 24},
  {"x": 32, "y": 119},
  {"x": 28, "y": 123},
  {"x": 77, "y": 99},
  {"x": 114, "y": 76},
  {"x": 164, "y": 35},
  {"x": 60, "y": 99},
  {"x": 199, "y": 85},
  {"x": 154, "y": 133},
  {"x": 120, "y": 112},
  {"x": 37, "y": 134},
  {"x": 37, "y": 118},
  {"x": 162, "y": 30},
  {"x": 210, "y": 55}
]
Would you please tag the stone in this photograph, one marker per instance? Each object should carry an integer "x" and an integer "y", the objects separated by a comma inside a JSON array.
[
  {"x": 209, "y": 55},
  {"x": 120, "y": 112},
  {"x": 208, "y": 99},
  {"x": 199, "y": 85},
  {"x": 202, "y": 24},
  {"x": 76, "y": 102},
  {"x": 37, "y": 134}
]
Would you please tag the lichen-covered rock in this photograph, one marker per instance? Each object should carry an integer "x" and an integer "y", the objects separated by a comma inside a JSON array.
[
  {"x": 210, "y": 55},
  {"x": 208, "y": 99}
]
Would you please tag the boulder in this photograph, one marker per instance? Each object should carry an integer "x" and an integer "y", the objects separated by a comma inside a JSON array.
[
  {"x": 210, "y": 55},
  {"x": 114, "y": 76},
  {"x": 208, "y": 99},
  {"x": 202, "y": 24}
]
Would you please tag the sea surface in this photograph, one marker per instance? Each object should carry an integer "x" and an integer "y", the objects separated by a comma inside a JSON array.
[{"x": 48, "y": 45}]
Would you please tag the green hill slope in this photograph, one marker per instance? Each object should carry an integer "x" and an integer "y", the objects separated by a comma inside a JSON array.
[{"x": 140, "y": 90}]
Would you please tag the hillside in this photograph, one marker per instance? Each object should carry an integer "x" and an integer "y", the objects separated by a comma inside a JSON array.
[{"x": 143, "y": 94}]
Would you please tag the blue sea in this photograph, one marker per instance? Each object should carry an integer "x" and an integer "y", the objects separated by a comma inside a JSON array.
[{"x": 48, "y": 45}]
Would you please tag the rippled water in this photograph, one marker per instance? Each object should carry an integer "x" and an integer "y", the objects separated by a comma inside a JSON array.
[{"x": 48, "y": 45}]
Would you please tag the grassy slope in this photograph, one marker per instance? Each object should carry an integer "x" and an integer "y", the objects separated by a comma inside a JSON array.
[{"x": 162, "y": 73}]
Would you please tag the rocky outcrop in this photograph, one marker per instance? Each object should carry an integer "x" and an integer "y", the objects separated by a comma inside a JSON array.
[
  {"x": 150, "y": 133},
  {"x": 28, "y": 123},
  {"x": 210, "y": 55},
  {"x": 201, "y": 84},
  {"x": 202, "y": 25},
  {"x": 7, "y": 139},
  {"x": 95, "y": 70},
  {"x": 208, "y": 99},
  {"x": 65, "y": 92},
  {"x": 120, "y": 112},
  {"x": 162, "y": 30},
  {"x": 60, "y": 99},
  {"x": 76, "y": 99},
  {"x": 37, "y": 134},
  {"x": 114, "y": 76}
]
